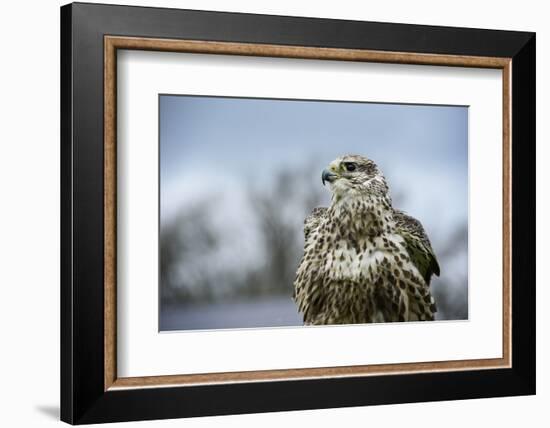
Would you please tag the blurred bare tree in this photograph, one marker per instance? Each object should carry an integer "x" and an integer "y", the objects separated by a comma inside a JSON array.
[
  {"x": 182, "y": 242},
  {"x": 191, "y": 238},
  {"x": 280, "y": 213},
  {"x": 451, "y": 290}
]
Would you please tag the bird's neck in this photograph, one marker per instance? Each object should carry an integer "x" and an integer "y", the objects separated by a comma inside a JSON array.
[{"x": 363, "y": 214}]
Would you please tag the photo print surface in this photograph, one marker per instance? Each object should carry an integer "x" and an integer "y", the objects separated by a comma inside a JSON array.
[{"x": 281, "y": 213}]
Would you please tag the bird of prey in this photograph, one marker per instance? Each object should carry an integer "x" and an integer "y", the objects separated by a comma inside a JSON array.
[{"x": 363, "y": 261}]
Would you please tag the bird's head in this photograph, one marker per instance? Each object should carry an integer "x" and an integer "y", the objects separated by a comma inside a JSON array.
[{"x": 354, "y": 175}]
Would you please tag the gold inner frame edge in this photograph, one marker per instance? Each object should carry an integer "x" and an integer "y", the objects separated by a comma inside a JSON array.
[{"x": 113, "y": 43}]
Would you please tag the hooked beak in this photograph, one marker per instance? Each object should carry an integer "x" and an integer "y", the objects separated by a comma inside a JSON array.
[{"x": 328, "y": 176}]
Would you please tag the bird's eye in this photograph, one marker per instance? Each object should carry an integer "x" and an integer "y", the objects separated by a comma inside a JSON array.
[{"x": 350, "y": 166}]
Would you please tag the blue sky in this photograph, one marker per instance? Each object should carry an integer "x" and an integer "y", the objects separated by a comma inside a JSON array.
[{"x": 221, "y": 144}]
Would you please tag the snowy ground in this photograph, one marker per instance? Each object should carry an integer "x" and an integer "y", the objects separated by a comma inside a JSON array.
[{"x": 271, "y": 312}]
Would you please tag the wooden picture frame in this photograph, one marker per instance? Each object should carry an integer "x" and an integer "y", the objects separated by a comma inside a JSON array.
[{"x": 91, "y": 390}]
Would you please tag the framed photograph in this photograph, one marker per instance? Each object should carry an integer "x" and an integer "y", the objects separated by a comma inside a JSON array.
[{"x": 265, "y": 213}]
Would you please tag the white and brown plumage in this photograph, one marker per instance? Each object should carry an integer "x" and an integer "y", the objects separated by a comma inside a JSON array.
[{"x": 363, "y": 261}]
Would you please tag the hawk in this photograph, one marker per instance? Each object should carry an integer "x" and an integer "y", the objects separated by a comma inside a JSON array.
[{"x": 364, "y": 261}]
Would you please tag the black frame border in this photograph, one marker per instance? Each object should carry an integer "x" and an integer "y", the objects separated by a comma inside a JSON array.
[{"x": 83, "y": 399}]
